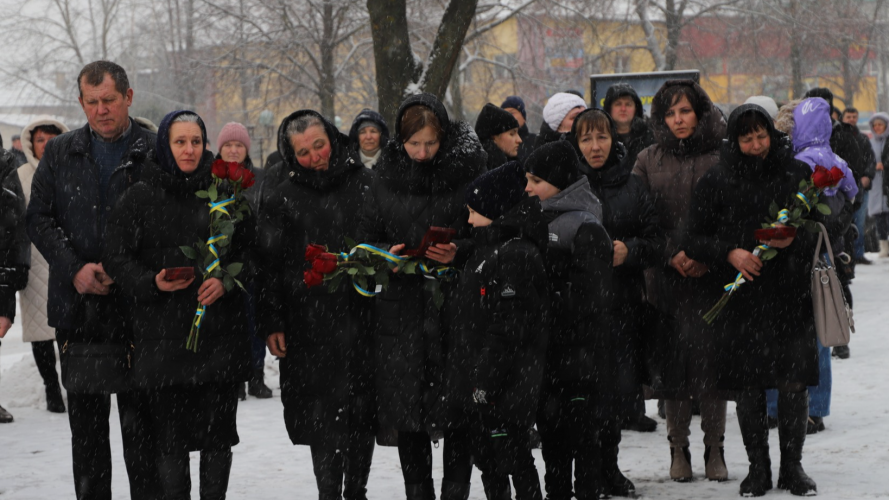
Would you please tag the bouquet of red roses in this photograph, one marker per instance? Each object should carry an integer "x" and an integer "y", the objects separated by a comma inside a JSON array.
[
  {"x": 224, "y": 214},
  {"x": 801, "y": 205},
  {"x": 368, "y": 267}
]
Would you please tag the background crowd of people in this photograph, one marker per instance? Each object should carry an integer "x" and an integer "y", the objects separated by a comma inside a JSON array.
[{"x": 586, "y": 256}]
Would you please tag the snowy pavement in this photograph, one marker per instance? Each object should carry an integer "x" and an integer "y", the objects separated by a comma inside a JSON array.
[{"x": 849, "y": 460}]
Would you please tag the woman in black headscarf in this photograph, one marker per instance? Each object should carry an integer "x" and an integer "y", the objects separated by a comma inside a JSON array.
[
  {"x": 194, "y": 393},
  {"x": 765, "y": 336}
]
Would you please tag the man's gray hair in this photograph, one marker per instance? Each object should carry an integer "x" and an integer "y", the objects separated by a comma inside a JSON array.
[{"x": 302, "y": 124}]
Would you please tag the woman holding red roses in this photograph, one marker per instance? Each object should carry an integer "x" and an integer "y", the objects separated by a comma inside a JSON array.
[
  {"x": 311, "y": 200},
  {"x": 421, "y": 181},
  {"x": 194, "y": 395},
  {"x": 766, "y": 334}
]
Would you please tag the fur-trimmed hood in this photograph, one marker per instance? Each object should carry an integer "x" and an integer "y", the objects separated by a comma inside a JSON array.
[
  {"x": 708, "y": 134},
  {"x": 28, "y": 132},
  {"x": 460, "y": 158}
]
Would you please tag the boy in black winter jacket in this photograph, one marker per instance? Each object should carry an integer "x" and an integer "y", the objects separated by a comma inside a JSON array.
[
  {"x": 578, "y": 399},
  {"x": 503, "y": 324}
]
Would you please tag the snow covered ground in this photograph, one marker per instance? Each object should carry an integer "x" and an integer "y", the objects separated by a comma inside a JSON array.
[{"x": 849, "y": 460}]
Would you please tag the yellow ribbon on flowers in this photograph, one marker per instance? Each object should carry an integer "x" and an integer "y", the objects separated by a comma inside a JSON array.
[
  {"x": 220, "y": 206},
  {"x": 212, "y": 247}
]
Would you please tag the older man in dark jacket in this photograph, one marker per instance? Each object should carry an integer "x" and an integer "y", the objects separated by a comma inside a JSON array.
[
  {"x": 80, "y": 178},
  {"x": 14, "y": 247}
]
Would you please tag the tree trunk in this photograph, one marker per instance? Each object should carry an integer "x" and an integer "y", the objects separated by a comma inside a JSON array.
[
  {"x": 393, "y": 59},
  {"x": 327, "y": 90},
  {"x": 456, "y": 97},
  {"x": 674, "y": 30},
  {"x": 850, "y": 82},
  {"x": 654, "y": 45},
  {"x": 796, "y": 52},
  {"x": 448, "y": 44}
]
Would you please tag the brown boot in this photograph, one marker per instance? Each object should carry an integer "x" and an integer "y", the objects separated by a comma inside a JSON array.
[
  {"x": 714, "y": 459},
  {"x": 680, "y": 465}
]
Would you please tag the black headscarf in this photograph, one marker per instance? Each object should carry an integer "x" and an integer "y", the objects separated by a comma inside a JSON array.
[{"x": 165, "y": 159}]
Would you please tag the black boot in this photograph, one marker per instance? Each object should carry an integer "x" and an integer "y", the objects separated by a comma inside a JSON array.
[
  {"x": 5, "y": 416},
  {"x": 496, "y": 486},
  {"x": 421, "y": 491},
  {"x": 328, "y": 465},
  {"x": 256, "y": 386},
  {"x": 242, "y": 391},
  {"x": 357, "y": 467},
  {"x": 752, "y": 416},
  {"x": 54, "y": 401},
  {"x": 793, "y": 414},
  {"x": 454, "y": 491},
  {"x": 175, "y": 475},
  {"x": 618, "y": 484},
  {"x": 216, "y": 467},
  {"x": 589, "y": 482}
]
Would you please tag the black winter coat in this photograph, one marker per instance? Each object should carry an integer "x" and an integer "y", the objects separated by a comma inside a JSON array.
[
  {"x": 405, "y": 200},
  {"x": 64, "y": 223},
  {"x": 578, "y": 263},
  {"x": 499, "y": 324},
  {"x": 640, "y": 137},
  {"x": 629, "y": 216},
  {"x": 496, "y": 156},
  {"x": 327, "y": 375},
  {"x": 766, "y": 332},
  {"x": 152, "y": 220},
  {"x": 547, "y": 135},
  {"x": 867, "y": 153},
  {"x": 529, "y": 142},
  {"x": 15, "y": 250}
]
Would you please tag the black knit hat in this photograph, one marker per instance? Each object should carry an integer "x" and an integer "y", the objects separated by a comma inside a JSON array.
[
  {"x": 555, "y": 162},
  {"x": 492, "y": 121},
  {"x": 495, "y": 192}
]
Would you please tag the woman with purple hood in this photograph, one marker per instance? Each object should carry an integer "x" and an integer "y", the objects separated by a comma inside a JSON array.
[{"x": 811, "y": 130}]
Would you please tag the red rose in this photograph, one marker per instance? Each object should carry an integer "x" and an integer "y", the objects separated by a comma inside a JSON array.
[
  {"x": 324, "y": 263},
  {"x": 312, "y": 278},
  {"x": 824, "y": 178},
  {"x": 248, "y": 180},
  {"x": 220, "y": 169},
  {"x": 235, "y": 171},
  {"x": 836, "y": 175},
  {"x": 313, "y": 251}
]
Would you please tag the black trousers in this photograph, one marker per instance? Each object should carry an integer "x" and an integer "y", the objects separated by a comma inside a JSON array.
[
  {"x": 45, "y": 357},
  {"x": 91, "y": 447},
  {"x": 415, "y": 452},
  {"x": 343, "y": 472},
  {"x": 502, "y": 457},
  {"x": 578, "y": 444}
]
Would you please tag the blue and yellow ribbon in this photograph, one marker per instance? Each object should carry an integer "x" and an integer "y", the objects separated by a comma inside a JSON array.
[
  {"x": 220, "y": 205},
  {"x": 199, "y": 315},
  {"x": 783, "y": 216},
  {"x": 805, "y": 201},
  {"x": 739, "y": 279},
  {"x": 212, "y": 247},
  {"x": 433, "y": 272}
]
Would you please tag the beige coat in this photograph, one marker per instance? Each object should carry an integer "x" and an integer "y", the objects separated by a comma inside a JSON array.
[{"x": 33, "y": 298}]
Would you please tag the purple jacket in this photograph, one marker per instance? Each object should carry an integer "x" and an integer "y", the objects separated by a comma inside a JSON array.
[{"x": 811, "y": 142}]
